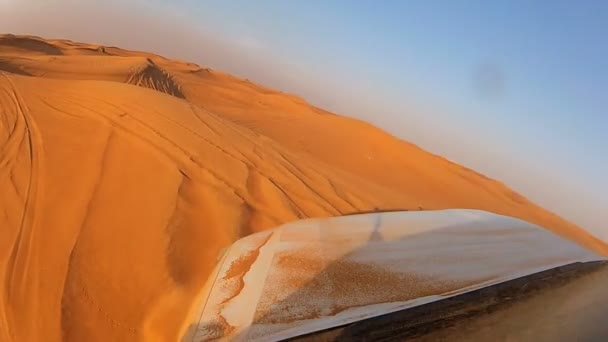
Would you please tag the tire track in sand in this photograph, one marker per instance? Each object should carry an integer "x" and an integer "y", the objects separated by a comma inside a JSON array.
[{"x": 21, "y": 276}]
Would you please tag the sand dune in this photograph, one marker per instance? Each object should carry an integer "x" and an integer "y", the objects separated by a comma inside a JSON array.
[{"x": 125, "y": 173}]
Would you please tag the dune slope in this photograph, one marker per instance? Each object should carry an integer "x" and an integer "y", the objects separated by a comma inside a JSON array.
[{"x": 124, "y": 174}]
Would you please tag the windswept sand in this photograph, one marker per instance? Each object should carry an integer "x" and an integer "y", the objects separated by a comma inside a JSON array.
[{"x": 124, "y": 174}]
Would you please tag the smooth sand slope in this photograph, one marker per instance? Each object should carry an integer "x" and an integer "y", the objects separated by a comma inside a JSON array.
[{"x": 123, "y": 175}]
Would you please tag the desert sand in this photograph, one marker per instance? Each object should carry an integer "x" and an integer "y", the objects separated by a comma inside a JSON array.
[{"x": 124, "y": 174}]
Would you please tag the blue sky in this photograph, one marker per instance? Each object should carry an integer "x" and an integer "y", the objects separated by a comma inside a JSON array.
[
  {"x": 537, "y": 120},
  {"x": 514, "y": 89}
]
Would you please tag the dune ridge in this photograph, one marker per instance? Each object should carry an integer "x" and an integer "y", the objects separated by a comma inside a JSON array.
[{"x": 127, "y": 173}]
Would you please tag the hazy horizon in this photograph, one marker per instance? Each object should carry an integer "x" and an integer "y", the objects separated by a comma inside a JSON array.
[{"x": 513, "y": 90}]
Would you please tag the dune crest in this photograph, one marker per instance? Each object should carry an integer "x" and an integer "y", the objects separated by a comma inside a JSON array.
[{"x": 125, "y": 175}]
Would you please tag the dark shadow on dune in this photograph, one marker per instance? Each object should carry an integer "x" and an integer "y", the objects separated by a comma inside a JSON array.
[
  {"x": 30, "y": 44},
  {"x": 7, "y": 66}
]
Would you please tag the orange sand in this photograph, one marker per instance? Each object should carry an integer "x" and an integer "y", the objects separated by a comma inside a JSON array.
[{"x": 124, "y": 174}]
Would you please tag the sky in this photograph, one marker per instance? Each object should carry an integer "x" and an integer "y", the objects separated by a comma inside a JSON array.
[{"x": 515, "y": 90}]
